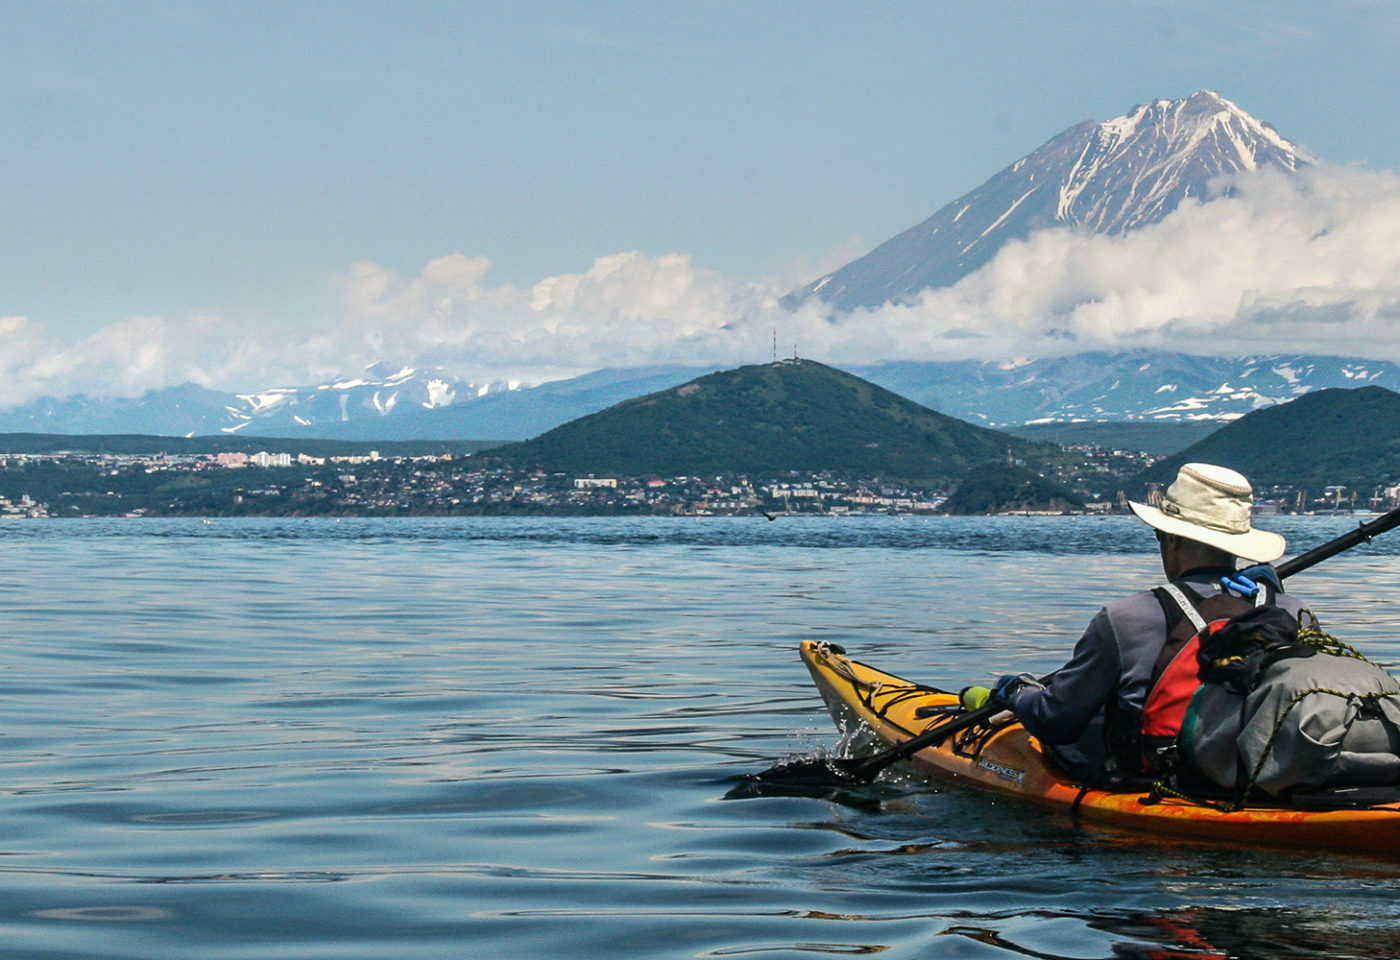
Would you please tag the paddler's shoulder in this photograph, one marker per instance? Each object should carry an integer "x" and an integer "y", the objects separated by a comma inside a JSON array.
[{"x": 1134, "y": 611}]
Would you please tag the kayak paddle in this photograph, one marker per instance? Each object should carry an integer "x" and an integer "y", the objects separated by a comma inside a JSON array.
[
  {"x": 1363, "y": 533},
  {"x": 852, "y": 770},
  {"x": 855, "y": 770}
]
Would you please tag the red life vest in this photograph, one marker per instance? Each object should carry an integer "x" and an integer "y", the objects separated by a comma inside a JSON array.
[{"x": 1176, "y": 676}]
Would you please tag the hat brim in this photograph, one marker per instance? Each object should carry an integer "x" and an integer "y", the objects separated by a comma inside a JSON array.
[{"x": 1257, "y": 546}]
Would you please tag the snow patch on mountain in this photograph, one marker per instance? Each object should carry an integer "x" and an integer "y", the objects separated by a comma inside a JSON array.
[
  {"x": 266, "y": 401},
  {"x": 440, "y": 394}
]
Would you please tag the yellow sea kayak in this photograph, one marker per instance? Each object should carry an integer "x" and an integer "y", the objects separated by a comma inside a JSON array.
[{"x": 1003, "y": 757}]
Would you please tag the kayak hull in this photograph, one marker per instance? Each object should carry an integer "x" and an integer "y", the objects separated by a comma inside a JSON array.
[{"x": 1006, "y": 759}]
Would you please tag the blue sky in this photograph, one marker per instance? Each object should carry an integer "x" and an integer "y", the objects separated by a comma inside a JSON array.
[{"x": 245, "y": 165}]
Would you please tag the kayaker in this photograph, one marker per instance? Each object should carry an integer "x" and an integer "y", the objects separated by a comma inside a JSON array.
[{"x": 1090, "y": 713}]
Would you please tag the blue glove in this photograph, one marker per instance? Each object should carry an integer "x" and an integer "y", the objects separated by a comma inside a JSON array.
[
  {"x": 1009, "y": 686},
  {"x": 1261, "y": 572}
]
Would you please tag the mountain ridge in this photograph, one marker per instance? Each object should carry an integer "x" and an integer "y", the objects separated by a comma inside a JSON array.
[
  {"x": 1143, "y": 387},
  {"x": 1138, "y": 386}
]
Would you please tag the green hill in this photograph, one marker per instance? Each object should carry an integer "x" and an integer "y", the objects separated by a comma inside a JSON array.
[
  {"x": 998, "y": 487},
  {"x": 765, "y": 420},
  {"x": 1348, "y": 437}
]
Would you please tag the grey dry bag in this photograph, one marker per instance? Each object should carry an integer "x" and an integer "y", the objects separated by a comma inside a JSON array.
[{"x": 1283, "y": 710}]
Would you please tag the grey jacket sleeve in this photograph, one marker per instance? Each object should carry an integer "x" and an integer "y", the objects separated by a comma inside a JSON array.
[{"x": 1059, "y": 711}]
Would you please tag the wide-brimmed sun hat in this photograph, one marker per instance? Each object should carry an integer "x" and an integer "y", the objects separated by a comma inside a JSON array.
[{"x": 1212, "y": 505}]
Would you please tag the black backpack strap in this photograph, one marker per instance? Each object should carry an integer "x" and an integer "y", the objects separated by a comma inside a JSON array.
[{"x": 1184, "y": 621}]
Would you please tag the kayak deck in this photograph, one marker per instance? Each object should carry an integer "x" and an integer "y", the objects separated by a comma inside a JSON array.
[{"x": 1003, "y": 757}]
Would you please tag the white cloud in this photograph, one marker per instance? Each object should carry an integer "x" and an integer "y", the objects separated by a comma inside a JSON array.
[
  {"x": 23, "y": 344},
  {"x": 1308, "y": 264},
  {"x": 128, "y": 358},
  {"x": 628, "y": 308}
]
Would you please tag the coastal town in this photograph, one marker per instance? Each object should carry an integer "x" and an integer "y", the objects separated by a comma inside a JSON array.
[
  {"x": 236, "y": 484},
  {"x": 77, "y": 483},
  {"x": 85, "y": 484}
]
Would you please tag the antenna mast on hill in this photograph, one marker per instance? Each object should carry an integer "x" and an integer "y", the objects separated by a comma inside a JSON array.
[{"x": 775, "y": 345}]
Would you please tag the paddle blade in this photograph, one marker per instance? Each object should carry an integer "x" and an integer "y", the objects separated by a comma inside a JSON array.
[{"x": 823, "y": 770}]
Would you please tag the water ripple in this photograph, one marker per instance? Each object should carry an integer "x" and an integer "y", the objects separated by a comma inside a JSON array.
[{"x": 494, "y": 738}]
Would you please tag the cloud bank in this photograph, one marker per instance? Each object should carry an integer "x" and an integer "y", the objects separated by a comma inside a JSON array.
[{"x": 1281, "y": 264}]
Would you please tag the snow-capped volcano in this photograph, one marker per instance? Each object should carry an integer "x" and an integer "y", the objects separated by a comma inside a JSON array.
[{"x": 1104, "y": 177}]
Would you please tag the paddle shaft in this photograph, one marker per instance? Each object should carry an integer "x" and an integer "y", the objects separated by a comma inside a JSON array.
[
  {"x": 1363, "y": 533},
  {"x": 870, "y": 766}
]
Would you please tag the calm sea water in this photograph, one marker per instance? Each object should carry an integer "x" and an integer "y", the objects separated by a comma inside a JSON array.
[{"x": 500, "y": 738}]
